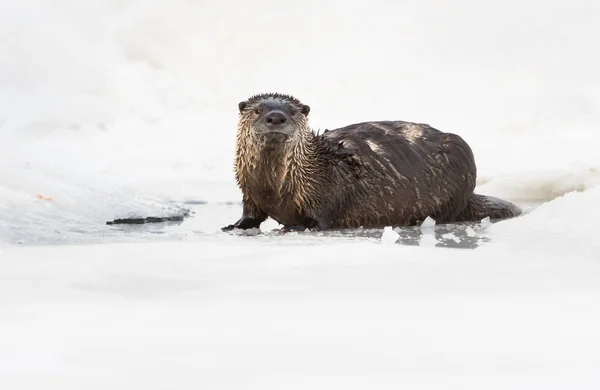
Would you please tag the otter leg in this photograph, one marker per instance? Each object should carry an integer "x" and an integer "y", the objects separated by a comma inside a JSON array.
[
  {"x": 323, "y": 223},
  {"x": 294, "y": 228},
  {"x": 317, "y": 224},
  {"x": 251, "y": 218}
]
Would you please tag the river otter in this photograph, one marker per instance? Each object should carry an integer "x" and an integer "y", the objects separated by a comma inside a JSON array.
[{"x": 370, "y": 174}]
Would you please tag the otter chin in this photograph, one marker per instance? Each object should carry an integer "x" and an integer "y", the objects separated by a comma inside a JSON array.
[
  {"x": 276, "y": 137},
  {"x": 369, "y": 174}
]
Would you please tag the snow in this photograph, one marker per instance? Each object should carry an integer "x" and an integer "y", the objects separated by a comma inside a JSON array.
[
  {"x": 122, "y": 109},
  {"x": 257, "y": 315},
  {"x": 389, "y": 236}
]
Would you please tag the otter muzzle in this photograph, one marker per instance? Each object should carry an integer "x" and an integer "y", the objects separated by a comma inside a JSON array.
[{"x": 275, "y": 122}]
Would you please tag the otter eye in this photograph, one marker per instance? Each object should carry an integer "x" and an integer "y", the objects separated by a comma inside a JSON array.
[{"x": 257, "y": 111}]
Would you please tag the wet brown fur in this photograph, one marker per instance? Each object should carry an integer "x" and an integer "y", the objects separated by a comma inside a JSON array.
[{"x": 370, "y": 174}]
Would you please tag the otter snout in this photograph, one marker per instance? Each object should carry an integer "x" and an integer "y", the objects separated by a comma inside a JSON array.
[
  {"x": 275, "y": 118},
  {"x": 276, "y": 122}
]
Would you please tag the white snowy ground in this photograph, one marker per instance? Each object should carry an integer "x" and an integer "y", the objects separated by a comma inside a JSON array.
[
  {"x": 238, "y": 314},
  {"x": 110, "y": 109}
]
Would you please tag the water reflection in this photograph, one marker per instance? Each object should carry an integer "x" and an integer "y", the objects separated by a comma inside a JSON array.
[
  {"x": 462, "y": 236},
  {"x": 204, "y": 221}
]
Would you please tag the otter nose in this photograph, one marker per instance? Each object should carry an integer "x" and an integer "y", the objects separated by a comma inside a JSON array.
[{"x": 276, "y": 118}]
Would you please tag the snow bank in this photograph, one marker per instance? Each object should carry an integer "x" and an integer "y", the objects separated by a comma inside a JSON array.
[
  {"x": 334, "y": 315},
  {"x": 566, "y": 226}
]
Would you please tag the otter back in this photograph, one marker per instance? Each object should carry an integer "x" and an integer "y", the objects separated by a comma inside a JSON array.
[{"x": 411, "y": 171}]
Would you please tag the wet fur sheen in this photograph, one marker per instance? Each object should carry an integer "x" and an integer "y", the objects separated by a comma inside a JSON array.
[{"x": 370, "y": 174}]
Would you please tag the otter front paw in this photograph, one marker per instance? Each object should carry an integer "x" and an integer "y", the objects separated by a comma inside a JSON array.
[{"x": 244, "y": 223}]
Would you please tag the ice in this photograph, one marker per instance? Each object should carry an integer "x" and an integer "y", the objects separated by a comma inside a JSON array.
[
  {"x": 470, "y": 231},
  {"x": 428, "y": 223},
  {"x": 451, "y": 236},
  {"x": 485, "y": 222},
  {"x": 389, "y": 236}
]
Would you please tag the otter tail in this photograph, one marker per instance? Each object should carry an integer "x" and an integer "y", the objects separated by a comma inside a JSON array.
[{"x": 482, "y": 206}]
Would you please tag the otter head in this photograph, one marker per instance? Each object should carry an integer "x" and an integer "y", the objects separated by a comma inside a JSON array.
[{"x": 274, "y": 116}]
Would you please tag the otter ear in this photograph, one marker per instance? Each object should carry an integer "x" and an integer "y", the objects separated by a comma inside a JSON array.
[
  {"x": 305, "y": 109},
  {"x": 242, "y": 105}
]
